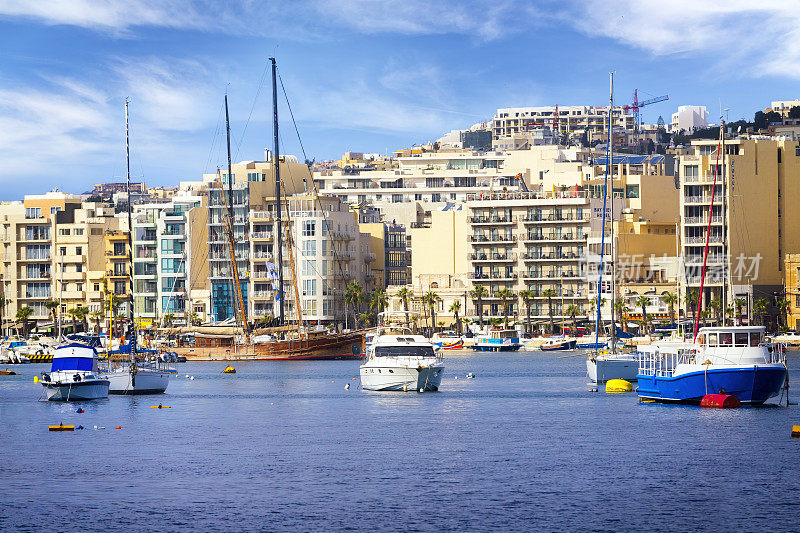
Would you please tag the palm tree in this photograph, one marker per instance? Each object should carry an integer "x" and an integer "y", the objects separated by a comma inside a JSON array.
[
  {"x": 495, "y": 321},
  {"x": 782, "y": 306},
  {"x": 167, "y": 319},
  {"x": 52, "y": 306},
  {"x": 478, "y": 293},
  {"x": 430, "y": 299},
  {"x": 96, "y": 316},
  {"x": 643, "y": 301},
  {"x": 598, "y": 324},
  {"x": 621, "y": 311},
  {"x": 81, "y": 313},
  {"x": 572, "y": 311},
  {"x": 716, "y": 305},
  {"x": 527, "y": 295},
  {"x": 506, "y": 297},
  {"x": 3, "y": 302},
  {"x": 670, "y": 299},
  {"x": 455, "y": 307},
  {"x": 24, "y": 313},
  {"x": 354, "y": 295},
  {"x": 405, "y": 294},
  {"x": 739, "y": 304},
  {"x": 378, "y": 301},
  {"x": 550, "y": 294},
  {"x": 760, "y": 309},
  {"x": 194, "y": 318},
  {"x": 73, "y": 315},
  {"x": 691, "y": 302}
]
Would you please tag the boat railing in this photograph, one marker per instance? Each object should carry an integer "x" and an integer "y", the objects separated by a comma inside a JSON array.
[{"x": 662, "y": 364}]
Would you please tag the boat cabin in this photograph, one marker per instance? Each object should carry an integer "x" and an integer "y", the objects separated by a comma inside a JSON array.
[{"x": 728, "y": 336}]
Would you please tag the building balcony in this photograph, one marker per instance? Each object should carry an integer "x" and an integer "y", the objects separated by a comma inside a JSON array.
[
  {"x": 702, "y": 199},
  {"x": 493, "y": 257},
  {"x": 551, "y": 256},
  {"x": 341, "y": 235},
  {"x": 262, "y": 236},
  {"x": 262, "y": 216},
  {"x": 95, "y": 295},
  {"x": 564, "y": 237},
  {"x": 551, "y": 275},
  {"x": 72, "y": 276},
  {"x": 490, "y": 220},
  {"x": 493, "y": 276},
  {"x": 73, "y": 295},
  {"x": 478, "y": 239},
  {"x": 553, "y": 219},
  {"x": 72, "y": 258},
  {"x": 261, "y": 256},
  {"x": 111, "y": 254},
  {"x": 263, "y": 295},
  {"x": 702, "y": 240},
  {"x": 702, "y": 220},
  {"x": 370, "y": 257},
  {"x": 111, "y": 274},
  {"x": 24, "y": 259}
]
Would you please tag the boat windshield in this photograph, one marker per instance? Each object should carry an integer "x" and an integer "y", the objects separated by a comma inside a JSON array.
[{"x": 404, "y": 351}]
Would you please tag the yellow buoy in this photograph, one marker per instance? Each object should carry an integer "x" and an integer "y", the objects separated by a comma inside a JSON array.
[
  {"x": 229, "y": 370},
  {"x": 36, "y": 379},
  {"x": 159, "y": 406},
  {"x": 796, "y": 432},
  {"x": 61, "y": 427},
  {"x": 618, "y": 385}
]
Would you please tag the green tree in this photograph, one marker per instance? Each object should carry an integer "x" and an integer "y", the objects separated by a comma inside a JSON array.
[
  {"x": 506, "y": 297},
  {"x": 794, "y": 112},
  {"x": 455, "y": 307},
  {"x": 194, "y": 318},
  {"x": 80, "y": 314},
  {"x": 430, "y": 299},
  {"x": 739, "y": 304},
  {"x": 52, "y": 306},
  {"x": 378, "y": 301},
  {"x": 550, "y": 294},
  {"x": 527, "y": 296},
  {"x": 405, "y": 294},
  {"x": 716, "y": 306},
  {"x": 97, "y": 316},
  {"x": 643, "y": 302},
  {"x": 24, "y": 314},
  {"x": 760, "y": 307},
  {"x": 671, "y": 299},
  {"x": 478, "y": 293},
  {"x": 691, "y": 302},
  {"x": 353, "y": 296},
  {"x": 167, "y": 320},
  {"x": 599, "y": 323},
  {"x": 572, "y": 311},
  {"x": 782, "y": 306}
]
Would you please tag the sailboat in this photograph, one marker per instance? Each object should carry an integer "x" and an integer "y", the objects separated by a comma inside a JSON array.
[
  {"x": 297, "y": 342},
  {"x": 602, "y": 366},
  {"x": 132, "y": 376}
]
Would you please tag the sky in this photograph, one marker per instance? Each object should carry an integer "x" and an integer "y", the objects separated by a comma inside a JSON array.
[{"x": 360, "y": 75}]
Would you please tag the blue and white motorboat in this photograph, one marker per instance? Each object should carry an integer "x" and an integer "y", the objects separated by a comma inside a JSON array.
[
  {"x": 732, "y": 360},
  {"x": 498, "y": 340},
  {"x": 558, "y": 343},
  {"x": 74, "y": 375}
]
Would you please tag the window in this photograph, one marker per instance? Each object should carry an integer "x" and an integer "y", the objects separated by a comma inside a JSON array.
[
  {"x": 79, "y": 287},
  {"x": 690, "y": 171},
  {"x": 397, "y": 198},
  {"x": 173, "y": 284},
  {"x": 38, "y": 251},
  {"x": 37, "y": 233},
  {"x": 62, "y": 250},
  {"x": 417, "y": 197},
  {"x": 309, "y": 287},
  {"x": 309, "y": 228},
  {"x": 324, "y": 247},
  {"x": 96, "y": 231},
  {"x": 324, "y": 228},
  {"x": 119, "y": 287},
  {"x": 310, "y": 307},
  {"x": 78, "y": 231},
  {"x": 96, "y": 287},
  {"x": 54, "y": 210},
  {"x": 38, "y": 270},
  {"x": 309, "y": 267},
  {"x": 78, "y": 250},
  {"x": 310, "y": 248},
  {"x": 172, "y": 265},
  {"x": 436, "y": 197},
  {"x": 33, "y": 212},
  {"x": 120, "y": 269},
  {"x": 63, "y": 231},
  {"x": 79, "y": 267},
  {"x": 37, "y": 290}
]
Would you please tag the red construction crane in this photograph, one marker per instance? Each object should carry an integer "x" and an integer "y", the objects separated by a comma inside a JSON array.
[{"x": 637, "y": 105}]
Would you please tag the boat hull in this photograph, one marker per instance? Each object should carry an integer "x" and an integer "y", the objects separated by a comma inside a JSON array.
[
  {"x": 143, "y": 381},
  {"x": 510, "y": 347},
  {"x": 601, "y": 369},
  {"x": 74, "y": 392},
  {"x": 751, "y": 384},
  {"x": 399, "y": 378},
  {"x": 566, "y": 345},
  {"x": 346, "y": 346}
]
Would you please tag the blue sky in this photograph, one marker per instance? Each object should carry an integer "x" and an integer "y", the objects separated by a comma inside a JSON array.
[{"x": 361, "y": 75}]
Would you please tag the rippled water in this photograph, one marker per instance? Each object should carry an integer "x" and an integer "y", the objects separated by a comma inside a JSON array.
[{"x": 283, "y": 445}]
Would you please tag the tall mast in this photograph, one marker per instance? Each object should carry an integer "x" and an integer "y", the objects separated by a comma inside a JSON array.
[
  {"x": 237, "y": 287},
  {"x": 609, "y": 153},
  {"x": 724, "y": 225},
  {"x": 611, "y": 226},
  {"x": 132, "y": 327},
  {"x": 276, "y": 165}
]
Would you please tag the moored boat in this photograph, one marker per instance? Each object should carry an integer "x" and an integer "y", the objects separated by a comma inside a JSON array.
[
  {"x": 402, "y": 361},
  {"x": 498, "y": 340},
  {"x": 74, "y": 375},
  {"x": 558, "y": 343},
  {"x": 732, "y": 360},
  {"x": 447, "y": 340}
]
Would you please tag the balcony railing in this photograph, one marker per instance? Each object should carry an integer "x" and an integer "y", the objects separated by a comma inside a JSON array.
[
  {"x": 493, "y": 238},
  {"x": 493, "y": 276},
  {"x": 491, "y": 219},
  {"x": 548, "y": 256},
  {"x": 493, "y": 257},
  {"x": 702, "y": 240}
]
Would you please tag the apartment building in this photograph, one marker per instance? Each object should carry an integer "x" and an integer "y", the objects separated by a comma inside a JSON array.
[
  {"x": 689, "y": 118},
  {"x": 571, "y": 120},
  {"x": 753, "y": 223},
  {"x": 163, "y": 265}
]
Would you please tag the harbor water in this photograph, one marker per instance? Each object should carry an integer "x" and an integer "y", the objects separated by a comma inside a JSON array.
[{"x": 285, "y": 446}]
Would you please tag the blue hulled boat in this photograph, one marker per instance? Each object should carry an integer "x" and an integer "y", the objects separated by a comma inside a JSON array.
[
  {"x": 733, "y": 360},
  {"x": 498, "y": 340}
]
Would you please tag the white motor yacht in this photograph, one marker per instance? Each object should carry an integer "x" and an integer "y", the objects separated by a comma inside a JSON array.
[
  {"x": 73, "y": 375},
  {"x": 402, "y": 361}
]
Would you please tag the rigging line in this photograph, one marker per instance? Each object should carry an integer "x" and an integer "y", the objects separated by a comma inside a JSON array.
[
  {"x": 252, "y": 108},
  {"x": 291, "y": 114},
  {"x": 214, "y": 138}
]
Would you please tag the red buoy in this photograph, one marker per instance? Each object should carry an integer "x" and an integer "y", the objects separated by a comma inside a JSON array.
[{"x": 720, "y": 401}]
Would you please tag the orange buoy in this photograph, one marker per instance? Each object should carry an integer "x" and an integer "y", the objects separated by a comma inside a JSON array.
[
  {"x": 720, "y": 401},
  {"x": 118, "y": 427}
]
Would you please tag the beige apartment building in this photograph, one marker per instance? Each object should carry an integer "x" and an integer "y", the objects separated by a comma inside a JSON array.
[{"x": 754, "y": 223}]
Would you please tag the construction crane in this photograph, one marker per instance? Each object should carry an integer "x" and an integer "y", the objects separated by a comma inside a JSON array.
[{"x": 636, "y": 106}]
